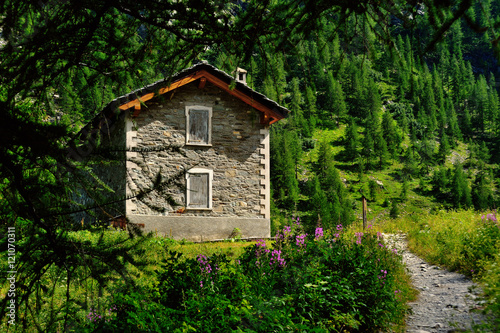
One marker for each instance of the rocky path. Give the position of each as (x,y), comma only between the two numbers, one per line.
(445,300)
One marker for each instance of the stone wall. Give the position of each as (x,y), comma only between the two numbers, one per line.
(237,154)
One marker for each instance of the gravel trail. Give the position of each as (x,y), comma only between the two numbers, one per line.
(446,298)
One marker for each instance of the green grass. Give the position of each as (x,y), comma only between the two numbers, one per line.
(231,249)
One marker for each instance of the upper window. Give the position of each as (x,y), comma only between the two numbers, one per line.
(198,125)
(199,188)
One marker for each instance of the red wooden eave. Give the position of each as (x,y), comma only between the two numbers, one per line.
(268,114)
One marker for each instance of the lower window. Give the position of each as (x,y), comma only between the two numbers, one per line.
(199,188)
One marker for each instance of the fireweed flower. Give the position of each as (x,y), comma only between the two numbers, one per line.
(261,243)
(297,220)
(276,259)
(339,227)
(359,235)
(287,231)
(205,267)
(318,233)
(300,240)
(260,247)
(379,235)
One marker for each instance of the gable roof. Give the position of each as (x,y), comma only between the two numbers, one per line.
(271,111)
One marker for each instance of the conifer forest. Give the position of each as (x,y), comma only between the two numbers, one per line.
(393,101)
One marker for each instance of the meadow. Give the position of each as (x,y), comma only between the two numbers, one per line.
(340,280)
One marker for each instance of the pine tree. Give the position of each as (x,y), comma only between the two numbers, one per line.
(310,103)
(390,134)
(352,143)
(482,195)
(444,147)
(321,208)
(404,189)
(453,128)
(466,124)
(335,106)
(394,212)
(426,152)
(439,181)
(428,107)
(493,114)
(460,189)
(480,104)
(335,191)
(284,156)
(298,121)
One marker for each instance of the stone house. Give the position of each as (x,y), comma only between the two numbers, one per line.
(196,148)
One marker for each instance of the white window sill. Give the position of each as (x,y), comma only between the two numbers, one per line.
(199,144)
(204,209)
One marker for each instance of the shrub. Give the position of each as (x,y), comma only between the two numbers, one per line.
(323,282)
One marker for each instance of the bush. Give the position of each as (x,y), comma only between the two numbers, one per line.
(318,283)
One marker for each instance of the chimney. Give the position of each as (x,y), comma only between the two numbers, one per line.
(241,75)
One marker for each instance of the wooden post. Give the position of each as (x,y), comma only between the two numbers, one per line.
(363,198)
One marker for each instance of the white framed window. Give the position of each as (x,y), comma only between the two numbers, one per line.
(198,125)
(199,188)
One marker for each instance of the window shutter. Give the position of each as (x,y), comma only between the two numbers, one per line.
(198,126)
(198,190)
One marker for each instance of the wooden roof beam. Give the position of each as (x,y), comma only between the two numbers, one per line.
(202,83)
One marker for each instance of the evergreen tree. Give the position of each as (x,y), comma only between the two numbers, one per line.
(335,106)
(298,121)
(466,124)
(321,208)
(404,189)
(426,152)
(453,128)
(480,104)
(428,106)
(493,114)
(440,182)
(285,148)
(394,212)
(368,150)
(390,134)
(352,143)
(310,103)
(460,190)
(482,195)
(336,193)
(444,147)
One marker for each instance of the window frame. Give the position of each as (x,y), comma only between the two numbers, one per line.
(209,125)
(199,171)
